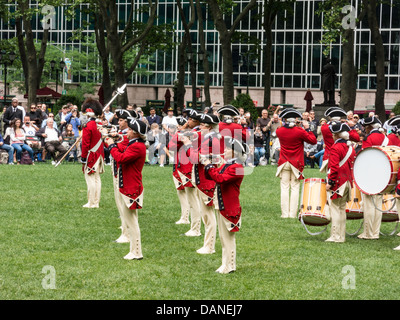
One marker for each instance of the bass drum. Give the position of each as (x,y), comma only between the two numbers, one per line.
(375,169)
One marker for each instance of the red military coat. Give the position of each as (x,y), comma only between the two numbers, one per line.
(327,136)
(393,140)
(292,145)
(131,162)
(92,145)
(233,130)
(228,179)
(375,138)
(208,144)
(121,147)
(174,145)
(339,175)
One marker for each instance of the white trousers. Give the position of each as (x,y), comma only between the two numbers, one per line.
(131,220)
(228,244)
(194,203)
(290,189)
(210,222)
(337,210)
(93,183)
(119,203)
(185,207)
(372,216)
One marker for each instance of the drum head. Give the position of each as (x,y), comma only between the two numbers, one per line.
(372,170)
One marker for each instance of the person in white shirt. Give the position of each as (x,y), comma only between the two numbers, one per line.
(169,119)
(52,140)
(30,131)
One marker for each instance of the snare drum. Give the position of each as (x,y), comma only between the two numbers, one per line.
(375,169)
(389,210)
(353,207)
(312,208)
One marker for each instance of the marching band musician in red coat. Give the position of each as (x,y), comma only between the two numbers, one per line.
(175,145)
(131,162)
(393,137)
(228,128)
(228,178)
(335,114)
(192,131)
(92,152)
(291,159)
(339,180)
(372,216)
(123,116)
(209,145)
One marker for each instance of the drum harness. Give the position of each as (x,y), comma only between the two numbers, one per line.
(341,163)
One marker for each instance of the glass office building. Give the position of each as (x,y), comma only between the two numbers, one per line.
(297,54)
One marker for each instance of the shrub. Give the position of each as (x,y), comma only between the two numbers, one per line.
(244,101)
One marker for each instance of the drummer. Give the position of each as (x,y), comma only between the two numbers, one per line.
(339,180)
(393,135)
(372,215)
(335,114)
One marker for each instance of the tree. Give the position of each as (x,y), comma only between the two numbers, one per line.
(220,10)
(271,9)
(370,7)
(340,21)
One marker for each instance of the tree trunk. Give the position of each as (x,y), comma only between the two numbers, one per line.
(348,85)
(179,96)
(206,66)
(227,65)
(380,59)
(267,64)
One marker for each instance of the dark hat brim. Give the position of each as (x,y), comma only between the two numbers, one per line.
(228,110)
(338,127)
(369,121)
(137,125)
(209,118)
(395,121)
(236,145)
(290,113)
(335,112)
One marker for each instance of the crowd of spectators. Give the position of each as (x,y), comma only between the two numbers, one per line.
(44,135)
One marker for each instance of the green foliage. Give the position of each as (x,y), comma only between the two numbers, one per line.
(396,108)
(74,98)
(244,101)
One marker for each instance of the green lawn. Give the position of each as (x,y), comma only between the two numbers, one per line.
(43,225)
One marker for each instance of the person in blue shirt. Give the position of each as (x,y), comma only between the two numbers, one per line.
(8,148)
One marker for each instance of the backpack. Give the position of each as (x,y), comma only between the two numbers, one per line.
(3,156)
(25,158)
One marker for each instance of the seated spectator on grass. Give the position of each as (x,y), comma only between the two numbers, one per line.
(7,148)
(52,139)
(153,137)
(17,140)
(309,151)
(259,145)
(44,122)
(69,139)
(30,131)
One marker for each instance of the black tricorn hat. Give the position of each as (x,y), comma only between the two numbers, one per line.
(209,118)
(236,145)
(228,110)
(290,113)
(337,127)
(193,114)
(395,121)
(370,120)
(137,125)
(335,112)
(181,120)
(125,114)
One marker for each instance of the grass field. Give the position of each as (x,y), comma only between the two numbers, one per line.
(44,227)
